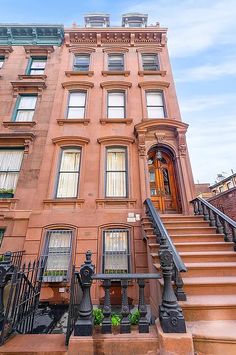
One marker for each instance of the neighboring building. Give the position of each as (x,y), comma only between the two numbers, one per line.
(203,190)
(90,127)
(224,195)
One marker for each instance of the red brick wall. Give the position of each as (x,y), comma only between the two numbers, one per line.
(226,202)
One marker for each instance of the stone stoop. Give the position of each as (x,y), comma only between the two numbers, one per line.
(210,282)
(35,344)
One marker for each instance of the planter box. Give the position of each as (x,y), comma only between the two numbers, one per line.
(54,278)
(6,195)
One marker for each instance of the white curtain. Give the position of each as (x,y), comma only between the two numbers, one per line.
(10,163)
(59,250)
(25,111)
(116,251)
(69,173)
(76,107)
(116,173)
(38,64)
(116,105)
(155,105)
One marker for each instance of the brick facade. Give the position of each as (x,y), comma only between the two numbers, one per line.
(226,202)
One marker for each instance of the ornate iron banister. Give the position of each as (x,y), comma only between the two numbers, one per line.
(216,218)
(160,231)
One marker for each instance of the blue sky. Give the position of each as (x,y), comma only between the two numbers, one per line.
(202,45)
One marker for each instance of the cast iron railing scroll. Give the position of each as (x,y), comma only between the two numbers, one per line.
(162,236)
(216,218)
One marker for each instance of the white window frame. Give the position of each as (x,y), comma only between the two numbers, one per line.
(157,106)
(122,107)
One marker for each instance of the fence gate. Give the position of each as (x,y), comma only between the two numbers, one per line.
(19,297)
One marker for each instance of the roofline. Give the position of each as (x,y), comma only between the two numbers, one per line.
(222,181)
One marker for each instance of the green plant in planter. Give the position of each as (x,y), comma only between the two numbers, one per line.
(115,319)
(98,316)
(134,317)
(6,191)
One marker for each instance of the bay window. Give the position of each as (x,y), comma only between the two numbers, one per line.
(10,164)
(116,172)
(116,104)
(116,255)
(155,104)
(57,254)
(76,105)
(68,177)
(25,107)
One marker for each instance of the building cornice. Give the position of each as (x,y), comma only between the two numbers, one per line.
(32,34)
(165,123)
(116,35)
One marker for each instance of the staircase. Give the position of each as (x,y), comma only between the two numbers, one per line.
(209,283)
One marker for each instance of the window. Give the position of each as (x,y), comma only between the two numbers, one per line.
(81,62)
(229,185)
(58,254)
(155,104)
(37,65)
(1,61)
(76,106)
(10,164)
(69,173)
(116,104)
(1,236)
(150,62)
(25,107)
(221,188)
(135,24)
(116,172)
(116,62)
(116,256)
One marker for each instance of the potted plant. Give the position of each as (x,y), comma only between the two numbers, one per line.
(6,193)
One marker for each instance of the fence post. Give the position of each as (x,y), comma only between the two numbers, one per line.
(84,323)
(6,267)
(170,314)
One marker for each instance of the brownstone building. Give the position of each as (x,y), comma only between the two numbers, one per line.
(90,129)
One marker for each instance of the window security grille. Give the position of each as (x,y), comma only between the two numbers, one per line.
(116,255)
(58,250)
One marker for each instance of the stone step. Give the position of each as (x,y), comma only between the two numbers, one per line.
(172,218)
(206,269)
(177,224)
(191,230)
(204,246)
(213,337)
(225,285)
(189,238)
(212,307)
(208,256)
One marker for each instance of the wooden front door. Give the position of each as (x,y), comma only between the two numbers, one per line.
(162,182)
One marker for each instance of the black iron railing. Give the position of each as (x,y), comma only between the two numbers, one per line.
(216,218)
(170,314)
(22,297)
(75,299)
(15,257)
(162,236)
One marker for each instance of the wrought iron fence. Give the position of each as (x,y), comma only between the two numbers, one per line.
(21,289)
(16,257)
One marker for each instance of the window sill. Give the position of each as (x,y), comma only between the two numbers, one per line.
(79,73)
(116,120)
(115,203)
(28,76)
(116,72)
(8,204)
(62,121)
(19,124)
(70,203)
(152,72)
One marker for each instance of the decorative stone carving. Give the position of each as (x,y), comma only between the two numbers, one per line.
(160,137)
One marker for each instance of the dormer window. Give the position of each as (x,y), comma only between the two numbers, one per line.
(134,20)
(97,20)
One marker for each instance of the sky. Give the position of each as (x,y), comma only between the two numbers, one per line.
(202,46)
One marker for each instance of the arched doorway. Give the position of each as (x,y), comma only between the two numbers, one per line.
(162,180)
